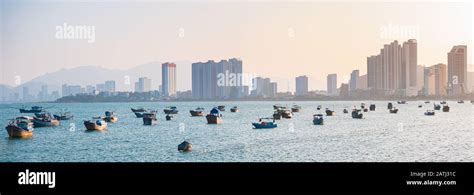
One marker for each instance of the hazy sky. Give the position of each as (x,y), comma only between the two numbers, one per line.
(280,40)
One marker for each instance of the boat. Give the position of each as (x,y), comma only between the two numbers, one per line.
(442,102)
(345,111)
(401,102)
(446,108)
(461,102)
(221,108)
(20,127)
(420,106)
(472,101)
(430,113)
(34,109)
(149,118)
(197,112)
(62,116)
(427,102)
(389,105)
(276,106)
(234,109)
(372,107)
(357,114)
(110,117)
(318,119)
(286,113)
(362,105)
(98,125)
(436,106)
(45,121)
(138,110)
(168,117)
(393,110)
(214,117)
(185,146)
(319,107)
(295,108)
(329,112)
(265,123)
(276,115)
(366,110)
(171,110)
(41,114)
(139,114)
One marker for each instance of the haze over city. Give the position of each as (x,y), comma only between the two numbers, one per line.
(280,40)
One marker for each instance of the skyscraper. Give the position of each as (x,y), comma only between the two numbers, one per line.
(457,69)
(168,79)
(332,84)
(143,85)
(211,80)
(435,80)
(301,85)
(110,86)
(354,80)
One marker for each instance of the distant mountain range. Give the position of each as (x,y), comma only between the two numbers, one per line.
(92,75)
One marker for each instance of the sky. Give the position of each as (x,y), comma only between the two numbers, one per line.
(280,40)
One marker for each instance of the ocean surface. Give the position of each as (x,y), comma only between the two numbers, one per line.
(380,137)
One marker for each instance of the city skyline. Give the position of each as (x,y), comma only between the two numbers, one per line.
(269,49)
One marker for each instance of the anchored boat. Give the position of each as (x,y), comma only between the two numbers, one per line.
(62,116)
(20,127)
(45,120)
(330,112)
(171,110)
(185,146)
(34,109)
(197,112)
(357,114)
(389,105)
(214,117)
(110,117)
(234,109)
(265,123)
(436,106)
(394,110)
(221,108)
(318,119)
(295,108)
(149,118)
(98,125)
(446,108)
(430,113)
(372,107)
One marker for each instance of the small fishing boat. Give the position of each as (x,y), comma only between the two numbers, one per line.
(168,117)
(420,106)
(362,105)
(265,123)
(401,102)
(98,125)
(286,113)
(372,107)
(171,110)
(319,107)
(442,102)
(330,112)
(234,109)
(345,111)
(318,119)
(461,102)
(185,146)
(138,110)
(139,114)
(62,116)
(276,106)
(430,113)
(394,110)
(389,105)
(214,117)
(276,115)
(20,127)
(221,108)
(436,106)
(110,117)
(445,108)
(45,121)
(197,112)
(295,108)
(365,110)
(34,109)
(149,118)
(427,102)
(357,114)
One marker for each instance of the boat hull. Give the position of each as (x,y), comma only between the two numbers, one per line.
(40,123)
(295,109)
(445,109)
(318,121)
(196,113)
(91,126)
(234,110)
(110,119)
(17,132)
(170,111)
(149,121)
(264,126)
(212,119)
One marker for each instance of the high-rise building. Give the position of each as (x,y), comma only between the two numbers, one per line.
(110,86)
(222,80)
(143,85)
(43,94)
(344,90)
(301,87)
(457,69)
(332,84)
(435,80)
(273,89)
(168,79)
(354,80)
(362,82)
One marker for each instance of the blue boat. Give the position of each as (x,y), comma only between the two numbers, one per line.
(318,119)
(265,123)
